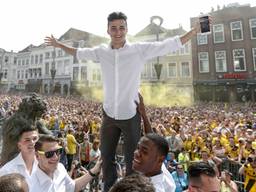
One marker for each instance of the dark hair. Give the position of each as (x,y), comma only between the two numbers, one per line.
(132,183)
(195,170)
(45,138)
(116,15)
(13,182)
(160,142)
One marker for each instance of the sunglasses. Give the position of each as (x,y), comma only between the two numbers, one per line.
(50,154)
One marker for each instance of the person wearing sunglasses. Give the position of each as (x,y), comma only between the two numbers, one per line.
(25,162)
(50,174)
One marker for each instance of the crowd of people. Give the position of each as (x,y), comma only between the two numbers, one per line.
(83,137)
(218,133)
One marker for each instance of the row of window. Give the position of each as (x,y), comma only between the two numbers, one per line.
(236,29)
(38,59)
(30,73)
(239,61)
(172,70)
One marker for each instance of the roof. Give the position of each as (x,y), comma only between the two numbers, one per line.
(79,35)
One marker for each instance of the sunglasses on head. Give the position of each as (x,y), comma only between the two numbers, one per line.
(50,154)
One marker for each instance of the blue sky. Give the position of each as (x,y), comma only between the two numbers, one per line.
(25,22)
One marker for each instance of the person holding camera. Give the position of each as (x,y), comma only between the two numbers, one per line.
(249,171)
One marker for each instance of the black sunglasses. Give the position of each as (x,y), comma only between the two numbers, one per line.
(50,154)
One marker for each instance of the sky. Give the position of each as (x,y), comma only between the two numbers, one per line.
(25,22)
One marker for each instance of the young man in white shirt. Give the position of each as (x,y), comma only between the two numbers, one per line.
(51,175)
(122,64)
(148,159)
(25,162)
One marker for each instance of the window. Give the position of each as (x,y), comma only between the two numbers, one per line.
(185,49)
(60,68)
(83,73)
(172,69)
(5,73)
(39,70)
(203,62)
(254,57)
(185,71)
(66,67)
(41,59)
(30,73)
(253,28)
(32,59)
(47,67)
(18,74)
(239,60)
(146,71)
(60,53)
(96,75)
(23,62)
(201,39)
(15,61)
(153,71)
(75,73)
(220,61)
(236,31)
(218,33)
(47,55)
(22,74)
(36,59)
(27,61)
(26,74)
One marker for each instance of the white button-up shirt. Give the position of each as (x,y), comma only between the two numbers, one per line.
(61,181)
(17,165)
(164,181)
(121,69)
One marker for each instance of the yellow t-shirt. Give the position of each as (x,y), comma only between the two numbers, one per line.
(250,174)
(71,144)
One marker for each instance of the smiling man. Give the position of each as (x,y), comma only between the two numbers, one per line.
(25,162)
(121,63)
(51,175)
(148,160)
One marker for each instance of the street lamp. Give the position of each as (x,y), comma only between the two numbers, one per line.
(53,70)
(157,21)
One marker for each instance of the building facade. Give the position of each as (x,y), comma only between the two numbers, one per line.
(224,61)
(175,80)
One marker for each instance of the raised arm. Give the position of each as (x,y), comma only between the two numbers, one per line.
(142,111)
(196,29)
(52,41)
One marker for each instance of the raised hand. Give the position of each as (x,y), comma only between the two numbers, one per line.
(51,41)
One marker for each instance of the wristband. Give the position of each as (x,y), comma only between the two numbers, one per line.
(92,174)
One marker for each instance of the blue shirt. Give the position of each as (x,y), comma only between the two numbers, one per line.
(180,181)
